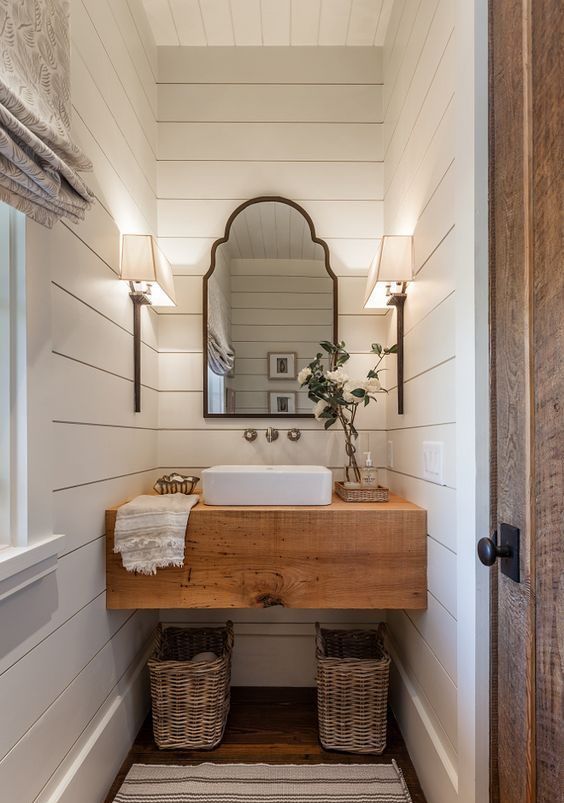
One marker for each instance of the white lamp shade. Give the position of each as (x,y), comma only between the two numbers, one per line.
(392,264)
(143,261)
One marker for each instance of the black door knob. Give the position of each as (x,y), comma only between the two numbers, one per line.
(489,551)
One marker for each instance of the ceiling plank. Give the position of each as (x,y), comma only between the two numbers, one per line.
(275,22)
(334,22)
(305,22)
(161,21)
(217,22)
(246,22)
(365,15)
(188,21)
(383,22)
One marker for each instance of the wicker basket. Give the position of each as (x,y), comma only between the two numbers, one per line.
(190,700)
(378,494)
(353,672)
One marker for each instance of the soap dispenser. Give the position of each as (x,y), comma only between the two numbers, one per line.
(368,474)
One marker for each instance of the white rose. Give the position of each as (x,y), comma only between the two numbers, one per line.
(353,384)
(320,408)
(339,377)
(373,386)
(304,375)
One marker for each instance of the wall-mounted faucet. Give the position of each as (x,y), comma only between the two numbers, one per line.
(250,435)
(294,434)
(271,434)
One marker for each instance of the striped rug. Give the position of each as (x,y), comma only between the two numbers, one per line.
(264,783)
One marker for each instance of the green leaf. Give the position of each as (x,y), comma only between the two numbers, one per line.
(359,393)
(327,346)
(377,348)
(393,349)
(366,400)
(330,423)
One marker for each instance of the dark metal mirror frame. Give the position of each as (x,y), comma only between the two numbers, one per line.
(215,246)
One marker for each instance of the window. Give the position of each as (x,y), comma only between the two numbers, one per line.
(22,561)
(216,392)
(13,401)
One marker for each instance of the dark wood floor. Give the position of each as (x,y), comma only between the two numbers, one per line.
(273,726)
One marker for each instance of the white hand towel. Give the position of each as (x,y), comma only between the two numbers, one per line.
(150,531)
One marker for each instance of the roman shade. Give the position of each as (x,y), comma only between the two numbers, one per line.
(39,163)
(221,355)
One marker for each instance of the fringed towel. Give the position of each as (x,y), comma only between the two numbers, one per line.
(150,531)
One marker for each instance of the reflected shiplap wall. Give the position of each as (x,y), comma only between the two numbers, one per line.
(419,148)
(235,123)
(279,306)
(72,693)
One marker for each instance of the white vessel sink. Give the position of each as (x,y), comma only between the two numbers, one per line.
(267,485)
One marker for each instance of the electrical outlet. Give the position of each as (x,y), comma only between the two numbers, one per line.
(433,461)
(390,454)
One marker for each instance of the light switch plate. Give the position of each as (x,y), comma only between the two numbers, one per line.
(390,454)
(433,461)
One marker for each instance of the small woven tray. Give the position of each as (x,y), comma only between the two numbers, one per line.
(379,494)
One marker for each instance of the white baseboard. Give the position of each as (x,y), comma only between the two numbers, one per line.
(433,760)
(89,769)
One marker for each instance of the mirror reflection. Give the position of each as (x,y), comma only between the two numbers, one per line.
(269,299)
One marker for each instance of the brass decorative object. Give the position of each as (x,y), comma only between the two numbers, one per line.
(175,484)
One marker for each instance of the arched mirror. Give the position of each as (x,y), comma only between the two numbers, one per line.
(270,297)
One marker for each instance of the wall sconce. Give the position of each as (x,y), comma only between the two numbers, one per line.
(150,279)
(389,273)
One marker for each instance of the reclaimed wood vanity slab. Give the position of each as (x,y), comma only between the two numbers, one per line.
(344,555)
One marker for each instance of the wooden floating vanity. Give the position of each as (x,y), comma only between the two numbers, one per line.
(345,555)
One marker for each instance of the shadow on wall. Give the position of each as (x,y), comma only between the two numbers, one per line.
(19,621)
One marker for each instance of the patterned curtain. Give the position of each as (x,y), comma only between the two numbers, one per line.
(38,160)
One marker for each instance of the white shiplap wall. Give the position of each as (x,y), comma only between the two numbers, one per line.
(215,152)
(235,123)
(420,198)
(71,691)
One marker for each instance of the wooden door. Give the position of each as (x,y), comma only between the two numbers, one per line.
(527,340)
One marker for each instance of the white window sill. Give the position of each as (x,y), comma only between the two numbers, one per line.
(22,566)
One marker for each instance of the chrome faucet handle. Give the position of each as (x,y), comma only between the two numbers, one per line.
(271,434)
(250,435)
(294,434)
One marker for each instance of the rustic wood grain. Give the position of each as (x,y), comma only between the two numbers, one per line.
(276,726)
(510,150)
(548,348)
(345,555)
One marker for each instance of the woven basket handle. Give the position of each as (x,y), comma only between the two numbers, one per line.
(381,630)
(319,646)
(230,635)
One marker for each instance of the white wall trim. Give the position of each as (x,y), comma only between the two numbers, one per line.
(472,397)
(21,566)
(435,768)
(105,742)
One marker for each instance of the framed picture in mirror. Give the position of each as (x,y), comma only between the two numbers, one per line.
(283,402)
(282,365)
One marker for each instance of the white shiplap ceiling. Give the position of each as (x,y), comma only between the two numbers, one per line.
(272,230)
(197,23)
